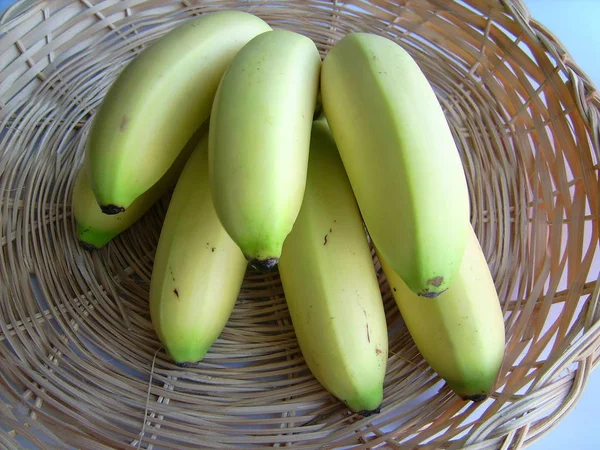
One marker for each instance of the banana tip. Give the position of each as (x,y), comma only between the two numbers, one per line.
(186,365)
(475,397)
(88,247)
(367,413)
(264,265)
(111,209)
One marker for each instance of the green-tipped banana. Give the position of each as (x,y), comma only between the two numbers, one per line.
(400,157)
(198,270)
(331,287)
(96,229)
(259,141)
(460,333)
(157,103)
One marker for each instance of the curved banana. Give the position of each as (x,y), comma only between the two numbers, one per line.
(460,333)
(96,229)
(198,270)
(259,141)
(331,287)
(400,157)
(157,103)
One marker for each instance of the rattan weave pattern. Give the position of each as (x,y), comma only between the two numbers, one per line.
(76,344)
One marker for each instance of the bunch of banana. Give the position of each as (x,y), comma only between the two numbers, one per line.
(331,287)
(267,186)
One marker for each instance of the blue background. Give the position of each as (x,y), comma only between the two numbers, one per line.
(576,24)
(5,4)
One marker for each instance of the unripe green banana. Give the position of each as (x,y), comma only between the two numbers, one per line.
(331,287)
(460,333)
(96,229)
(259,141)
(400,157)
(157,103)
(198,270)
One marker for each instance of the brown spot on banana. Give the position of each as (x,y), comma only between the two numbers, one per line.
(435,281)
(124,122)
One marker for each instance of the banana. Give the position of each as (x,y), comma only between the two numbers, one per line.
(259,140)
(331,286)
(198,270)
(460,333)
(158,101)
(400,157)
(96,229)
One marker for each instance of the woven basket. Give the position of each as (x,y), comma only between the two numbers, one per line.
(80,366)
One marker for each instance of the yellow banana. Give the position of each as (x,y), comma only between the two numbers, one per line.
(157,103)
(331,287)
(460,333)
(259,141)
(198,270)
(400,157)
